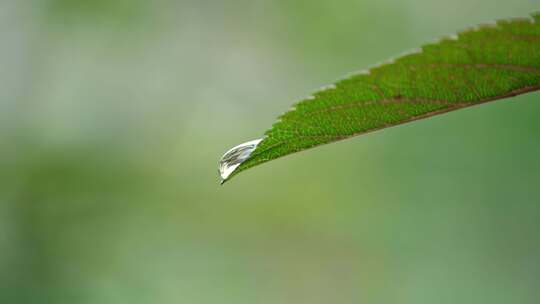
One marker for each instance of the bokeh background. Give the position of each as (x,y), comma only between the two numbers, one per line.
(114,113)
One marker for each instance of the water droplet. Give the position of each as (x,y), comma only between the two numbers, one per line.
(235,157)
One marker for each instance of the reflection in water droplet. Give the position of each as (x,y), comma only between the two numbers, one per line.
(234,157)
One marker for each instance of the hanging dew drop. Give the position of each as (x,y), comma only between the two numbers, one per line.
(235,157)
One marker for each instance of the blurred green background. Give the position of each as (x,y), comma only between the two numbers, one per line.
(114,113)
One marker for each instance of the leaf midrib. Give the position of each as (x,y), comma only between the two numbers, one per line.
(453,106)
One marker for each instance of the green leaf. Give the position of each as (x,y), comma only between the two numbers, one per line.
(478,65)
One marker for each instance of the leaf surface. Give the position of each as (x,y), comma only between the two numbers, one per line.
(478,65)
